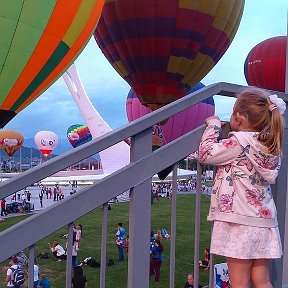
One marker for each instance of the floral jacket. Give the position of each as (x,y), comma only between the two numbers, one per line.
(241,191)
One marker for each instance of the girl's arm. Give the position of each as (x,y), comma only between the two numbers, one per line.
(214,153)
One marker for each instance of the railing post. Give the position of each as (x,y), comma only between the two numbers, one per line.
(197,224)
(69,254)
(31,266)
(173,226)
(103,245)
(279,275)
(139,217)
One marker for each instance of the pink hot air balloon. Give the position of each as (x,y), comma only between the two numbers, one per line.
(180,123)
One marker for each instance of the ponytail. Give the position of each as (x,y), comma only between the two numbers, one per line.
(264,117)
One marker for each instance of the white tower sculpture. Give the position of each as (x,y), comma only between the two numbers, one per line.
(112,158)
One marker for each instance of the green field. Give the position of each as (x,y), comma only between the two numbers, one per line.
(117,275)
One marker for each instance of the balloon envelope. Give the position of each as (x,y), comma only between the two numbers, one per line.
(11,141)
(265,64)
(39,41)
(179,124)
(78,134)
(163,48)
(46,141)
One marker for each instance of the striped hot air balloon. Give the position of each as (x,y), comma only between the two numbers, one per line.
(39,41)
(78,134)
(162,48)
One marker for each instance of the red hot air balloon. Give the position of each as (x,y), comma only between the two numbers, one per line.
(179,124)
(163,48)
(265,64)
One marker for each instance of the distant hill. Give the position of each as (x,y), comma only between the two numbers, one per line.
(63,145)
(30,153)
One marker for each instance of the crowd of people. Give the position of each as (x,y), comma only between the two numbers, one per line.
(164,189)
(24,202)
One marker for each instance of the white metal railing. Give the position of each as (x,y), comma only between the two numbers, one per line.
(137,177)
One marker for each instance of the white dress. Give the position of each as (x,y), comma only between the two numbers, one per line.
(245,242)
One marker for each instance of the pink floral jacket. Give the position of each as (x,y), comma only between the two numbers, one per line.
(241,192)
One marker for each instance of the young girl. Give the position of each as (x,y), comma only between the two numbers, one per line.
(242,207)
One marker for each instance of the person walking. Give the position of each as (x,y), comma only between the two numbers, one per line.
(3,207)
(41,199)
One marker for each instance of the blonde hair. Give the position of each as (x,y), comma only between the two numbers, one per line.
(254,106)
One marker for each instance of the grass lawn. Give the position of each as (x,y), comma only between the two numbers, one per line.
(90,244)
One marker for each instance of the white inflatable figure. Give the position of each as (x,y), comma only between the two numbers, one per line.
(112,158)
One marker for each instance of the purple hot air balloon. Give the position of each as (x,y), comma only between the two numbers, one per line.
(180,123)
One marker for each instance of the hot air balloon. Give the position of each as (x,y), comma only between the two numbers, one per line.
(11,141)
(265,64)
(78,134)
(163,48)
(179,124)
(42,38)
(46,141)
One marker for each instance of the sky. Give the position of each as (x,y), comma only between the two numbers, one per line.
(55,110)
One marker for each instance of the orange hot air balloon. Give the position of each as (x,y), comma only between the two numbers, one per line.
(11,141)
(39,41)
(46,141)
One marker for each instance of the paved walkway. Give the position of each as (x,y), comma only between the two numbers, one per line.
(35,199)
(34,190)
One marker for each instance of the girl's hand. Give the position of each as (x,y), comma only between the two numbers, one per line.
(226,129)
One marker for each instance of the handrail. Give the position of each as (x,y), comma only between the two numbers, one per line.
(67,159)
(132,175)
(104,189)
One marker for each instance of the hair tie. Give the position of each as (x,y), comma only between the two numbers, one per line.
(277,103)
(272,107)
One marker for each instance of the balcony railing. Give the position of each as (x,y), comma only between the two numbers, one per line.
(135,177)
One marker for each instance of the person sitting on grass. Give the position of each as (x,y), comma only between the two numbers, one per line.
(206,262)
(44,282)
(190,281)
(57,250)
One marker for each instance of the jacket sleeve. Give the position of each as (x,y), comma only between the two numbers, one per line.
(217,153)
